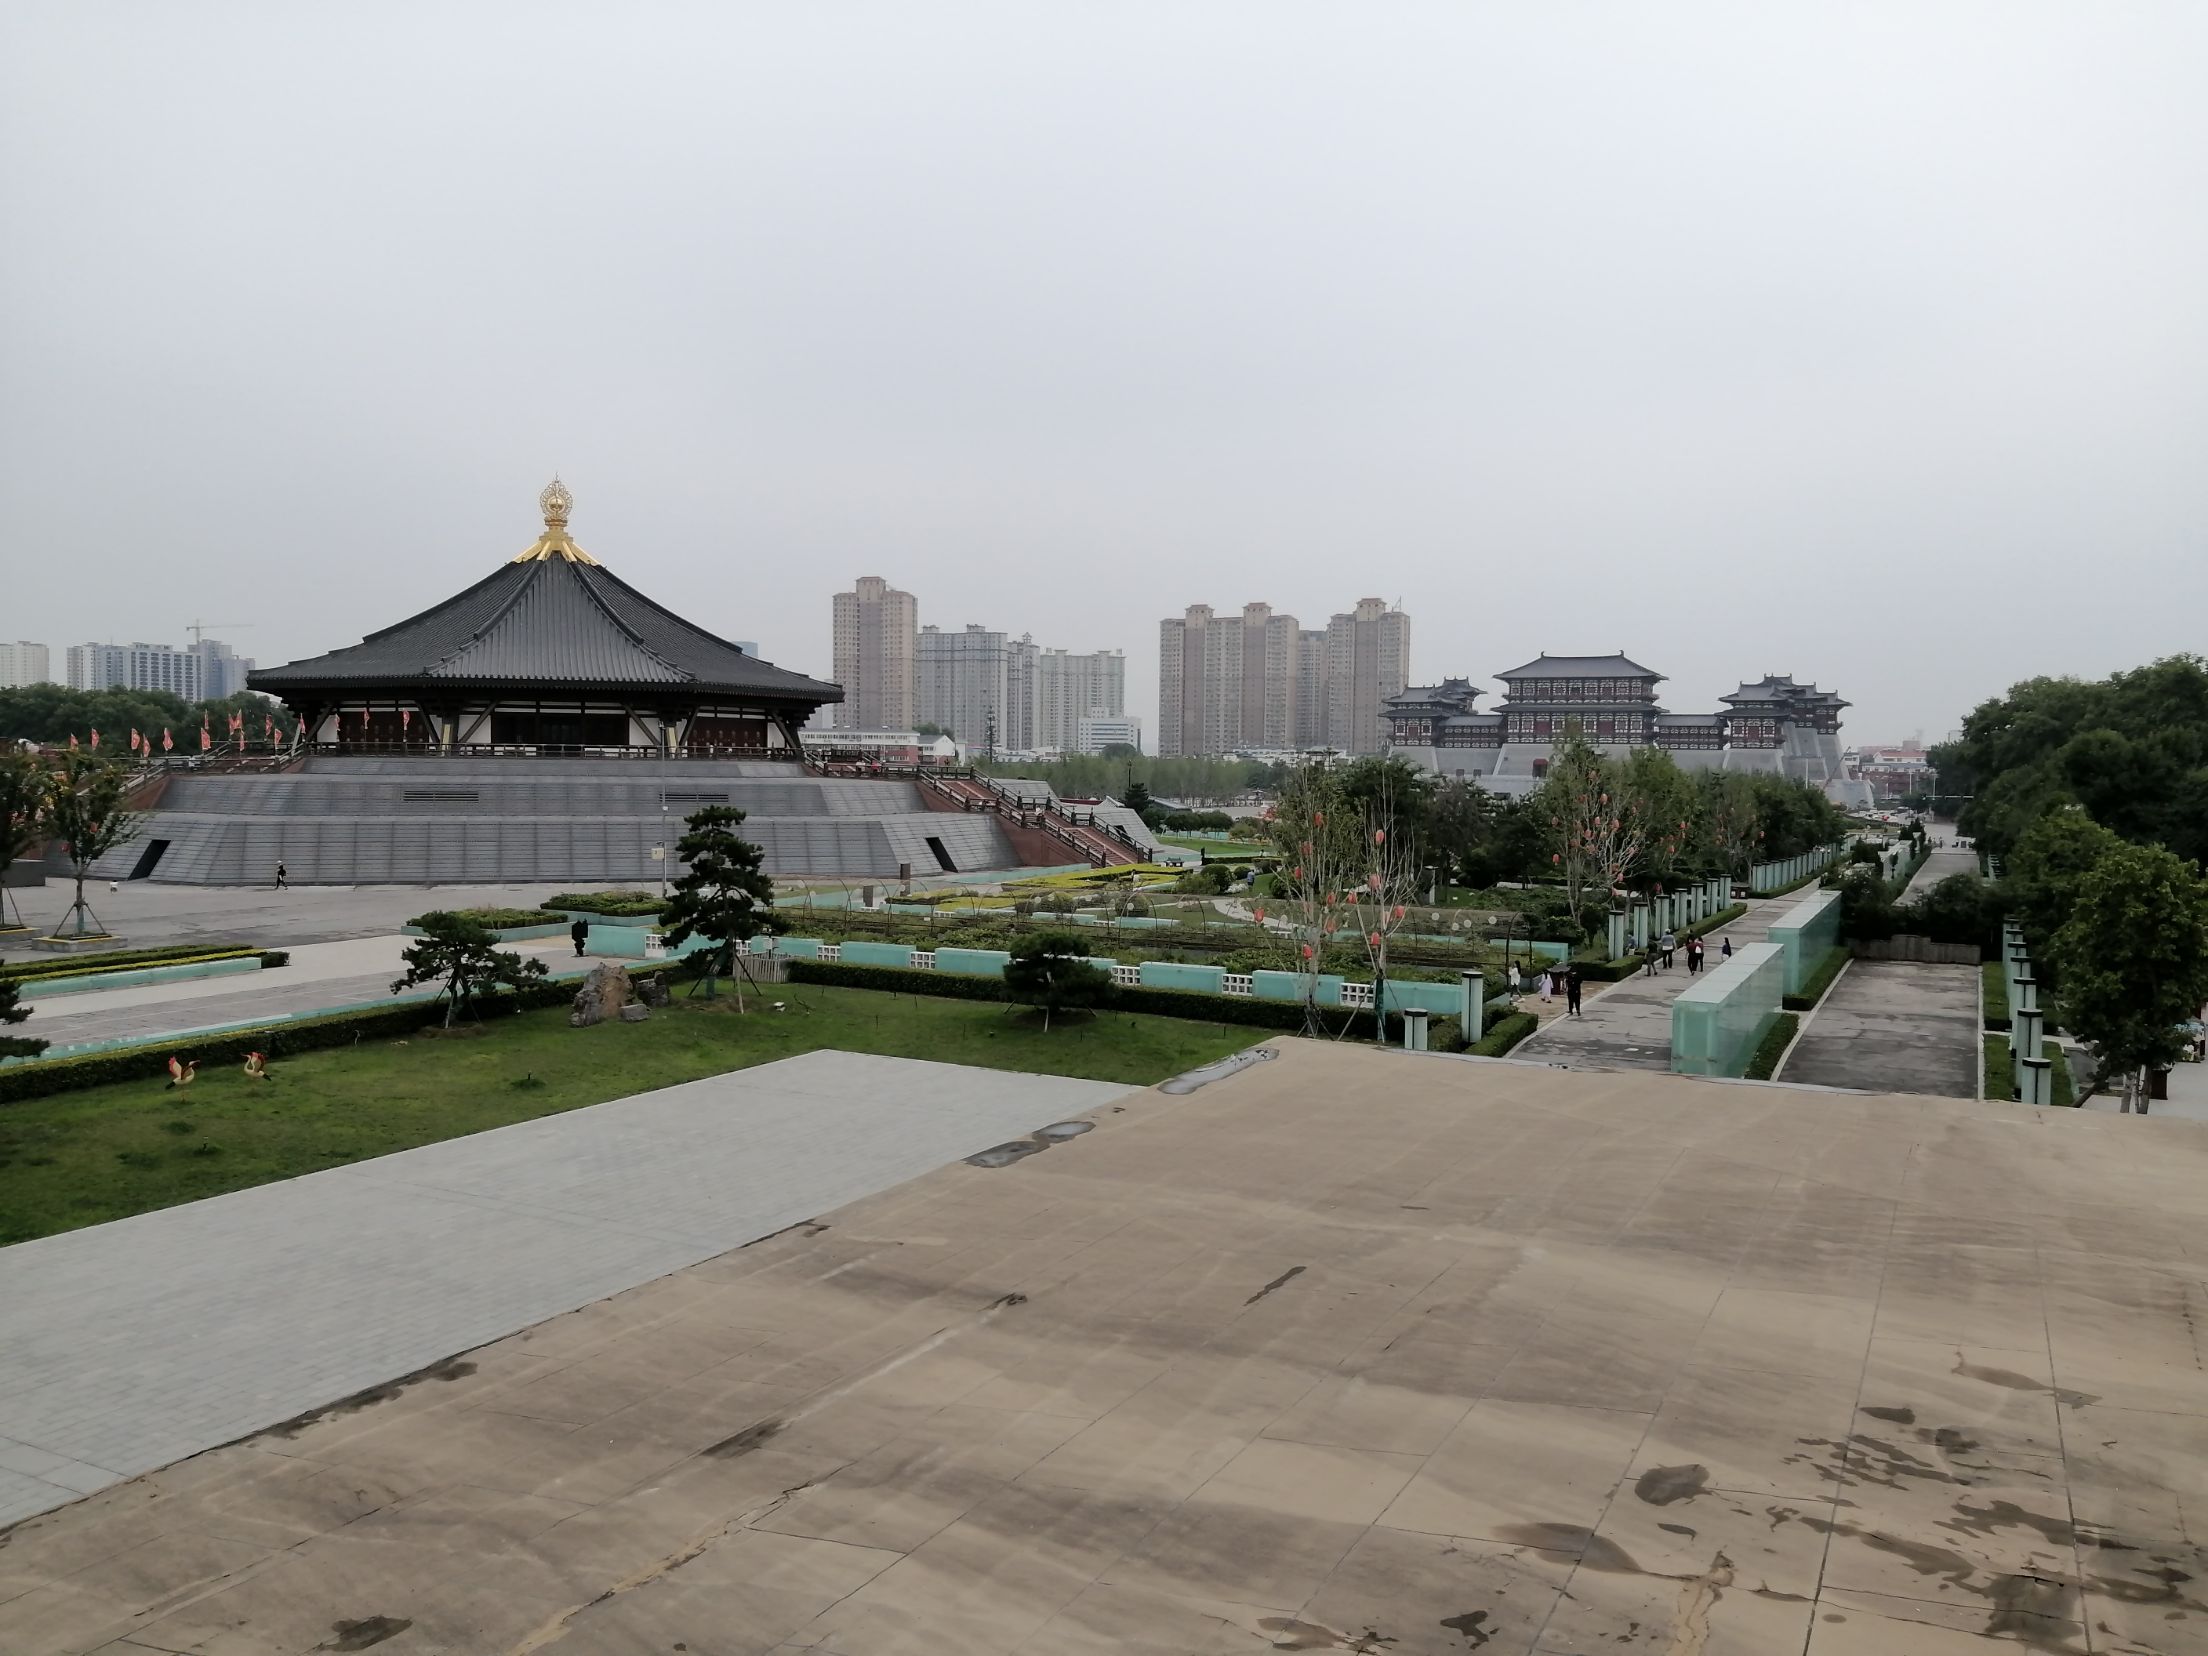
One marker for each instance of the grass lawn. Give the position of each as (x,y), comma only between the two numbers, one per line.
(82,1158)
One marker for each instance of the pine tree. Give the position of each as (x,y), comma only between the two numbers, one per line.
(15,1046)
(463,955)
(723,896)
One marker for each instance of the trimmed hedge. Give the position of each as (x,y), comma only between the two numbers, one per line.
(1442,1033)
(1996,983)
(612,904)
(2000,1068)
(1504,1033)
(273,958)
(143,1063)
(1813,991)
(1618,970)
(77,968)
(1772,1048)
(117,960)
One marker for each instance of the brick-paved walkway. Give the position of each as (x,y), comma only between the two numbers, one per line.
(130,1345)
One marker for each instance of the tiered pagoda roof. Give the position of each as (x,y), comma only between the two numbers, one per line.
(552,620)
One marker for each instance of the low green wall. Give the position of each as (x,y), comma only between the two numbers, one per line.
(1805,934)
(1717,1024)
(45,988)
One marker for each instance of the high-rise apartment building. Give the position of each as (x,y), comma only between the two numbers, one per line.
(1228,683)
(1258,682)
(1368,659)
(965,686)
(97,666)
(221,669)
(1311,688)
(24,663)
(1071,687)
(876,627)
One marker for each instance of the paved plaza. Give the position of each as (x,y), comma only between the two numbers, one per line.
(1627,1025)
(126,1346)
(1350,1351)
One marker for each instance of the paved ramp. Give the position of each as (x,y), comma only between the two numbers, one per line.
(1892,1026)
(130,1345)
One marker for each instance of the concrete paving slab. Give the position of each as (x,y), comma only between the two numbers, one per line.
(1139,1393)
(129,1345)
(1893,1026)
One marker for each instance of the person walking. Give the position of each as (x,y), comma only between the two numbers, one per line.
(580,932)
(283,877)
(1516,983)
(1669,943)
(1725,949)
(1571,991)
(1548,983)
(1694,956)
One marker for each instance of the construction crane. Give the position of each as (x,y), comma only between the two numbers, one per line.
(198,629)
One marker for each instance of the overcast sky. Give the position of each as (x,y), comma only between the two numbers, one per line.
(1864,342)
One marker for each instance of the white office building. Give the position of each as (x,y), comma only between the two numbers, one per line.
(24,663)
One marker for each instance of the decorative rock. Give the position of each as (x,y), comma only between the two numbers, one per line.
(652,989)
(635,1013)
(603,994)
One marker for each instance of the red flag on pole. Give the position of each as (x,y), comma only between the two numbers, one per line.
(167,741)
(95,740)
(72,742)
(134,739)
(206,738)
(406,718)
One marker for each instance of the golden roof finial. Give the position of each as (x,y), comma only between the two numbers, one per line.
(553,543)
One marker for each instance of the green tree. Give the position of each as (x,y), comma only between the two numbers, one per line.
(1586,836)
(2040,879)
(2133,962)
(22,804)
(723,896)
(15,1046)
(1137,799)
(1052,971)
(1662,797)
(462,956)
(84,813)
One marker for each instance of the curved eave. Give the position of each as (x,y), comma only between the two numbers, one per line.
(445,689)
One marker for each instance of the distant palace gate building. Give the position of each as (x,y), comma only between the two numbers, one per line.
(1773,726)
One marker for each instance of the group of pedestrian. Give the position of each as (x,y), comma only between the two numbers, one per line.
(1552,981)
(1666,950)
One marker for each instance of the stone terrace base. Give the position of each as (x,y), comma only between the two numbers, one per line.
(1350,1350)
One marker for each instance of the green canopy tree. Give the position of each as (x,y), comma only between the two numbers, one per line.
(723,896)
(84,814)
(1051,971)
(2041,877)
(462,956)
(22,805)
(2133,962)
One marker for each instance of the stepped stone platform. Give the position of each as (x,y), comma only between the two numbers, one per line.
(367,821)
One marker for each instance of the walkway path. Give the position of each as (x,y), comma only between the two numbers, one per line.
(319,975)
(1628,1025)
(1937,867)
(130,1345)
(1893,1026)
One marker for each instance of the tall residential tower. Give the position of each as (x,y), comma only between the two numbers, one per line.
(875,629)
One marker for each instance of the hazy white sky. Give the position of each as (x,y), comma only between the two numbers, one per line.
(1862,342)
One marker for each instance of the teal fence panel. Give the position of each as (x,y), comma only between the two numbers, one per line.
(1805,934)
(1446,999)
(1276,986)
(1168,974)
(972,962)
(798,948)
(1716,1024)
(874,954)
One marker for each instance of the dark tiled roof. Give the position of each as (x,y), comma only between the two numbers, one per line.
(541,623)
(1663,719)
(1609,666)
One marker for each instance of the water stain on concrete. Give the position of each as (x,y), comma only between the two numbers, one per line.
(1893,1417)
(1181,1085)
(1680,1529)
(446,1369)
(1662,1485)
(1595,1552)
(360,1635)
(2013,1381)
(1469,1627)
(1285,1277)
(745,1441)
(2031,1608)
